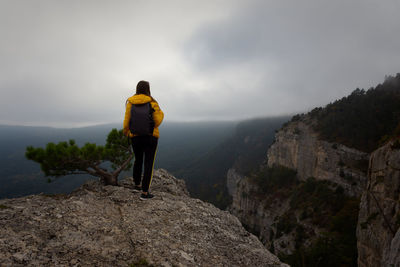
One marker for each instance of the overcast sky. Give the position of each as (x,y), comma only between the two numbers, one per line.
(74,63)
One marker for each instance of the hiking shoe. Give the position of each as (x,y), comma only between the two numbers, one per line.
(146,197)
(137,188)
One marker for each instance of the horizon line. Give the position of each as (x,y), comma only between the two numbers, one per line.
(89,125)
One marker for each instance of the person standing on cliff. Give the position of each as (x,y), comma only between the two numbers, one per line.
(144,133)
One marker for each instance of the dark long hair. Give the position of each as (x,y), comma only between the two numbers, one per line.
(143,87)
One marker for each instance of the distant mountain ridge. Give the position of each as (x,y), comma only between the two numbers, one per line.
(200,152)
(20,176)
(179,144)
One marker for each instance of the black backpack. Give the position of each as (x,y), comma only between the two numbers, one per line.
(142,122)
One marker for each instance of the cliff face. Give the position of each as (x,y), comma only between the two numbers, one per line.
(110,226)
(232,180)
(273,217)
(378,232)
(260,215)
(297,147)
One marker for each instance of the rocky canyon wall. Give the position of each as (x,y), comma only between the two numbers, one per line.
(378,233)
(297,147)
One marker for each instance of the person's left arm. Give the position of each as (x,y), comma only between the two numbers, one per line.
(127,118)
(158,115)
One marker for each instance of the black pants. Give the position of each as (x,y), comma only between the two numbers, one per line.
(144,147)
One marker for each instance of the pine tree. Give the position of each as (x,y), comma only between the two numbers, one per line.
(67,158)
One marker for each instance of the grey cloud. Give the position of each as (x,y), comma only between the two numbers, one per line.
(321,50)
(77,61)
(292,30)
(57,61)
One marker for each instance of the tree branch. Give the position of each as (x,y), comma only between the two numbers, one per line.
(100,171)
(91,172)
(123,166)
(125,148)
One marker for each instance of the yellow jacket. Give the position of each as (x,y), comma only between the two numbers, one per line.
(158,115)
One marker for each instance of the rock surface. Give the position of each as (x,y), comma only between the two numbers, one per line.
(378,232)
(297,147)
(378,184)
(110,226)
(260,214)
(232,180)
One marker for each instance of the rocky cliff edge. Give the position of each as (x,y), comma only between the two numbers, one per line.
(378,230)
(297,146)
(109,226)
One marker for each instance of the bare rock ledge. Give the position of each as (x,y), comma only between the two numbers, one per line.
(110,226)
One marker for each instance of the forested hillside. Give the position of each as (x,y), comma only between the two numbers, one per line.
(363,120)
